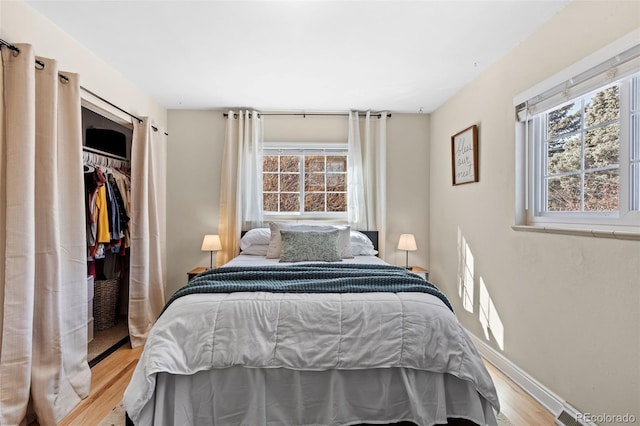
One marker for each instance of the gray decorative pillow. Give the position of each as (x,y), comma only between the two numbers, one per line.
(301,246)
(275,242)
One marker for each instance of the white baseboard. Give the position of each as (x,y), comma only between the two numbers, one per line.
(539,392)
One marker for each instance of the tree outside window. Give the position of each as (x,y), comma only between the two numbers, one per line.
(583,154)
(304,184)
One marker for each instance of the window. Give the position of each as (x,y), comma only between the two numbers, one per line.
(582,151)
(307,182)
(579,154)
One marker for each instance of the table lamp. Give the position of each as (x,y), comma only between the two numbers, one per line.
(211,243)
(408,243)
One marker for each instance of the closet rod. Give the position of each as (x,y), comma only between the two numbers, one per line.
(113,105)
(105,154)
(304,114)
(41,65)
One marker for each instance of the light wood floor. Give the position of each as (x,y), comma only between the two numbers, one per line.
(516,404)
(111,376)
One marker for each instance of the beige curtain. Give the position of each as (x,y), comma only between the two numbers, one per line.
(367,173)
(43,279)
(147,273)
(241,181)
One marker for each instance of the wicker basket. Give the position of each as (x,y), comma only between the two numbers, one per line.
(105,304)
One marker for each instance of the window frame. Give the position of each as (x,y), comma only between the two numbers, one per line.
(303,149)
(531,214)
(538,153)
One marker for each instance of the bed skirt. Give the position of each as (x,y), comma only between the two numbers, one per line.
(284,397)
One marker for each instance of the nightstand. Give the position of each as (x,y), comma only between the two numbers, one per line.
(420,271)
(195,271)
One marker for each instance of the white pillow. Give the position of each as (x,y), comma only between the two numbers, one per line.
(255,236)
(275,243)
(257,250)
(358,237)
(360,250)
(361,245)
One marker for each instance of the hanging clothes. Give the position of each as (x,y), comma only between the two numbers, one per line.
(102,213)
(122,221)
(107,219)
(123,183)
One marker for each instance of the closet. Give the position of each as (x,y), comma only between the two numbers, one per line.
(107,184)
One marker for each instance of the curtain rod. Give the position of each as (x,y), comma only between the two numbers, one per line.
(304,114)
(155,129)
(41,65)
(9,45)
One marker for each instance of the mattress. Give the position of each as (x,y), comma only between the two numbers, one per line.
(254,358)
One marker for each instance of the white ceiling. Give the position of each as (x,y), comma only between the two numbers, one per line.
(402,56)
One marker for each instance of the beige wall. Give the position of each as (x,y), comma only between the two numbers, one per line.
(20,23)
(568,305)
(194,159)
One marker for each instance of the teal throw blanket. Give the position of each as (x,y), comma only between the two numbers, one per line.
(309,278)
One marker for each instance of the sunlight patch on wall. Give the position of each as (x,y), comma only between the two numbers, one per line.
(465,273)
(489,318)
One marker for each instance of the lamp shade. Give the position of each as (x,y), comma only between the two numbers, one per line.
(407,242)
(211,242)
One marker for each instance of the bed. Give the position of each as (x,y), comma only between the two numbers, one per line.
(342,342)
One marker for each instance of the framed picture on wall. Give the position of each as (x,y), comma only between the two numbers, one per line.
(464,156)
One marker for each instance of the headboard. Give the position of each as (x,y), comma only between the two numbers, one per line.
(372,235)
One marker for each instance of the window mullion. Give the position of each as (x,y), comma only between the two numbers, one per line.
(582,154)
(326,190)
(302,184)
(279,187)
(626,198)
(540,175)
